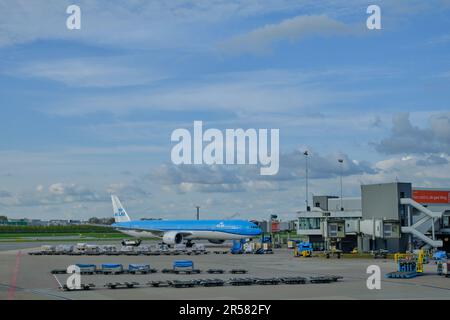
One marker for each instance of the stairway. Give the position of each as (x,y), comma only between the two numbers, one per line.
(423,225)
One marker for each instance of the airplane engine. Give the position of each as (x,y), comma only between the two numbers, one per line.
(172,237)
(216,241)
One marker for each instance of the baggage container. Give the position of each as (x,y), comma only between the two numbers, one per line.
(112,268)
(87,268)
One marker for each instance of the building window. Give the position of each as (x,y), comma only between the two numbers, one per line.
(333,230)
(446,222)
(387,230)
(309,223)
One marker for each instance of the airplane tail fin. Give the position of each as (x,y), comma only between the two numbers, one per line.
(120,215)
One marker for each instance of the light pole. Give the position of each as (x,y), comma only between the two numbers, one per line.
(306,180)
(341,161)
(198,212)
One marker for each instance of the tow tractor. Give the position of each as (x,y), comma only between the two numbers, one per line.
(303,249)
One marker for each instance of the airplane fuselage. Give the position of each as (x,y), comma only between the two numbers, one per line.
(191,229)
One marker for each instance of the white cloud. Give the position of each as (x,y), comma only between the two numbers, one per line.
(407,138)
(409,169)
(89,72)
(159,23)
(150,24)
(245,178)
(261,39)
(253,92)
(56,194)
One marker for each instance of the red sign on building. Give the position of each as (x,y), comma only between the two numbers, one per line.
(275,227)
(431,196)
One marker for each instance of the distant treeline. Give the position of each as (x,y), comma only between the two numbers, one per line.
(57,229)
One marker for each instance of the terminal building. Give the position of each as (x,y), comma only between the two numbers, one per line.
(392,216)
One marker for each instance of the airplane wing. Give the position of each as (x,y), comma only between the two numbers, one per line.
(156,232)
(98,225)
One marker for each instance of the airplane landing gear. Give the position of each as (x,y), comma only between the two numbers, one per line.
(189,244)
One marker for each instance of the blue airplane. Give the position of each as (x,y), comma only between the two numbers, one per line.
(175,231)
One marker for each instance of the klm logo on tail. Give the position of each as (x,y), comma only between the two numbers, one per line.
(120,213)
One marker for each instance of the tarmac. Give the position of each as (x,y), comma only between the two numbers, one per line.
(24,276)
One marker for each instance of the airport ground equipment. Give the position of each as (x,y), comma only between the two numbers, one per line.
(241,281)
(116,285)
(322,279)
(303,249)
(63,249)
(238,246)
(440,256)
(35,253)
(108,249)
(84,287)
(163,247)
(263,251)
(179,247)
(267,281)
(292,243)
(211,282)
(140,268)
(198,247)
(158,284)
(185,266)
(216,282)
(75,253)
(238,271)
(446,269)
(87,268)
(333,253)
(215,271)
(59,271)
(293,280)
(247,247)
(131,242)
(143,250)
(182,283)
(380,254)
(419,258)
(48,249)
(409,265)
(220,252)
(111,268)
(81,246)
(402,275)
(131,252)
(92,250)
(439,267)
(335,278)
(266,242)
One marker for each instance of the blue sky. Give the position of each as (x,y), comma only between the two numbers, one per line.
(89,112)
